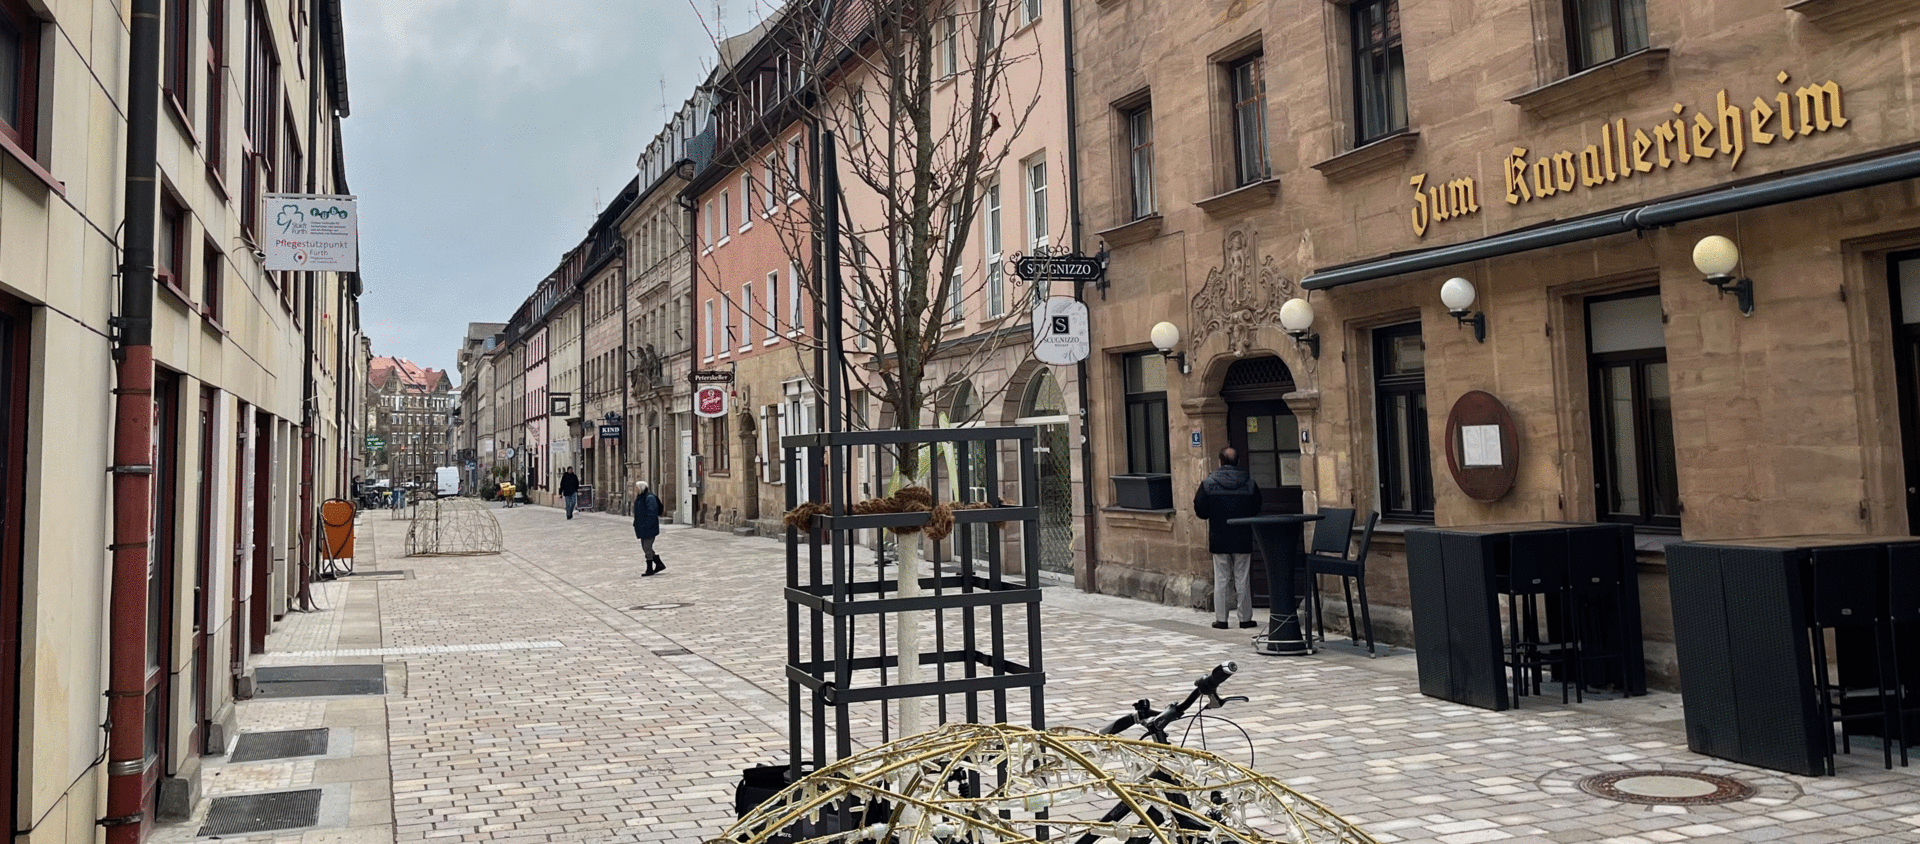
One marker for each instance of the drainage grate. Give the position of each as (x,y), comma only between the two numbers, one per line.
(246,813)
(659,606)
(320,680)
(1666,788)
(396,573)
(282,744)
(673,652)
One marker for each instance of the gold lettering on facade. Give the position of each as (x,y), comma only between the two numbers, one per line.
(1456,198)
(1733,132)
(1516,169)
(1757,121)
(1422,215)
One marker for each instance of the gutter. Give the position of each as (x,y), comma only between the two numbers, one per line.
(132,469)
(1772,190)
(1086,578)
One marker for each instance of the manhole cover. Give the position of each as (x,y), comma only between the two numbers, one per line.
(1666,788)
(659,606)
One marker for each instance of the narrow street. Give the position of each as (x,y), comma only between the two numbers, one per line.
(551,694)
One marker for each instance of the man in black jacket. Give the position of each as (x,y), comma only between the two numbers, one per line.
(1229,493)
(570,489)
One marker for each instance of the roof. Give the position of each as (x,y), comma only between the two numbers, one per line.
(405,376)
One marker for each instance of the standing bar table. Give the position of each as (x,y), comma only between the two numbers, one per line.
(1280,544)
(1453,576)
(1745,640)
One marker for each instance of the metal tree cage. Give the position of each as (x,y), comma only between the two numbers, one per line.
(983,589)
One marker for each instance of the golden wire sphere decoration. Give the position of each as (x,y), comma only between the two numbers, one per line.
(1005,784)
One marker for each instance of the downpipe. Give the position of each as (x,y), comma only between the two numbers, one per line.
(133,444)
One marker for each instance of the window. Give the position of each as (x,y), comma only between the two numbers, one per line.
(793,167)
(796,320)
(726,328)
(717,451)
(176,30)
(956,301)
(726,215)
(1635,474)
(1140,158)
(19,74)
(1379,70)
(709,221)
(773,306)
(746,199)
(770,191)
(1029,11)
(263,97)
(213,274)
(1599,31)
(1037,204)
(949,45)
(771,469)
(1400,411)
(996,281)
(708,332)
(170,246)
(1247,82)
(215,87)
(746,316)
(1145,377)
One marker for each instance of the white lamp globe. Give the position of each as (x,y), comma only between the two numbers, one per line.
(1715,255)
(1457,294)
(1296,315)
(1165,336)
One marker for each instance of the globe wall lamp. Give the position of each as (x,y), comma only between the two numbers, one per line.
(1165,336)
(1457,295)
(1715,257)
(1296,316)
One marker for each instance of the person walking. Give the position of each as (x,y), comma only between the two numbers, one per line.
(1229,493)
(646,525)
(570,489)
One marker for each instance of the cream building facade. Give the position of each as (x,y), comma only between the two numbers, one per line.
(254,384)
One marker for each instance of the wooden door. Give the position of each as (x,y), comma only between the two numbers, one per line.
(162,575)
(203,569)
(15,319)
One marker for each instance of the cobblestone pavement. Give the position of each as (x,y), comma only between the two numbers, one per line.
(551,694)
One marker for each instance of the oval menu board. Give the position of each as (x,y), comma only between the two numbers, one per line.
(1483,450)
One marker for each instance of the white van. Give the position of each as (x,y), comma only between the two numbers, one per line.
(446,481)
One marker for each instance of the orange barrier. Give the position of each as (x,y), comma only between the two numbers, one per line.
(336,524)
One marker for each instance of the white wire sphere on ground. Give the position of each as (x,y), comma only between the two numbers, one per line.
(1002,784)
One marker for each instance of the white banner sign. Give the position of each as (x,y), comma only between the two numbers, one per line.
(310,232)
(1060,331)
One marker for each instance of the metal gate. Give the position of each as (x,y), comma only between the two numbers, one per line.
(1055,456)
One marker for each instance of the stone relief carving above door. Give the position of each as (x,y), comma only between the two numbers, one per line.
(1237,298)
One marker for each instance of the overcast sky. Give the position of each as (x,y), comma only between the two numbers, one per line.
(485,135)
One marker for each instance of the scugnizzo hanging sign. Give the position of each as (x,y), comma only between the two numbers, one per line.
(1722,130)
(304,231)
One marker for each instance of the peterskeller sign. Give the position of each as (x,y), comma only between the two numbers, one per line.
(1723,129)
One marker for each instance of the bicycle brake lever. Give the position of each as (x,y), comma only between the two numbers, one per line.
(1235,699)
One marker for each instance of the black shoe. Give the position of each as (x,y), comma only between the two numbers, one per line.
(1219,625)
(1249,624)
(650,570)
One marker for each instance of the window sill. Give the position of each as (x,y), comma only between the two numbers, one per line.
(1139,231)
(1373,156)
(20,155)
(212,324)
(770,340)
(723,241)
(1122,517)
(744,228)
(1257,195)
(179,112)
(1847,14)
(166,282)
(1595,86)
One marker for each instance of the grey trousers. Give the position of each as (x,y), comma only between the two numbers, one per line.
(1238,568)
(646,546)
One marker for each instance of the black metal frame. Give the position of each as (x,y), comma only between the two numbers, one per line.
(1419,468)
(828,592)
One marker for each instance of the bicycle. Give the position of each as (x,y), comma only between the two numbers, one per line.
(1155,723)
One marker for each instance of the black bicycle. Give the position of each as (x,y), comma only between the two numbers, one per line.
(1156,723)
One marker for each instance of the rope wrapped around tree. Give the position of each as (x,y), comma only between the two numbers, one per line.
(907,499)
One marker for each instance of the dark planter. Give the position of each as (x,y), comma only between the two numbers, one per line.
(1143,491)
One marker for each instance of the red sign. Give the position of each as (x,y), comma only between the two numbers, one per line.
(710,400)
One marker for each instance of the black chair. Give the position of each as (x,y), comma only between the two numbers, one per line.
(1332,537)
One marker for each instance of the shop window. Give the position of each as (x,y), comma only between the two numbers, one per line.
(19,74)
(1599,31)
(1400,409)
(1140,158)
(1379,70)
(1635,472)
(1247,88)
(1145,377)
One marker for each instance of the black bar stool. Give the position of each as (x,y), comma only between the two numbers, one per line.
(1536,570)
(1841,586)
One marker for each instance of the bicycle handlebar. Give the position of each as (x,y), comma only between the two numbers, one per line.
(1156,723)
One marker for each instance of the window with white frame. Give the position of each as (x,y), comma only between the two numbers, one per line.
(770,192)
(1247,83)
(795,319)
(1140,158)
(746,316)
(996,280)
(726,215)
(709,223)
(949,45)
(1037,203)
(726,328)
(746,199)
(772,470)
(956,302)
(1029,11)
(708,330)
(773,306)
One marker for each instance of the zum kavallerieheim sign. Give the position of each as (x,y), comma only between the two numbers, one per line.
(1722,130)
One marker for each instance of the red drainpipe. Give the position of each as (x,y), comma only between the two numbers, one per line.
(133,444)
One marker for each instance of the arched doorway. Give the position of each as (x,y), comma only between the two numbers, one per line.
(1046,408)
(1266,433)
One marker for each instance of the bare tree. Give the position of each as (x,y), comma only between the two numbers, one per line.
(925,99)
